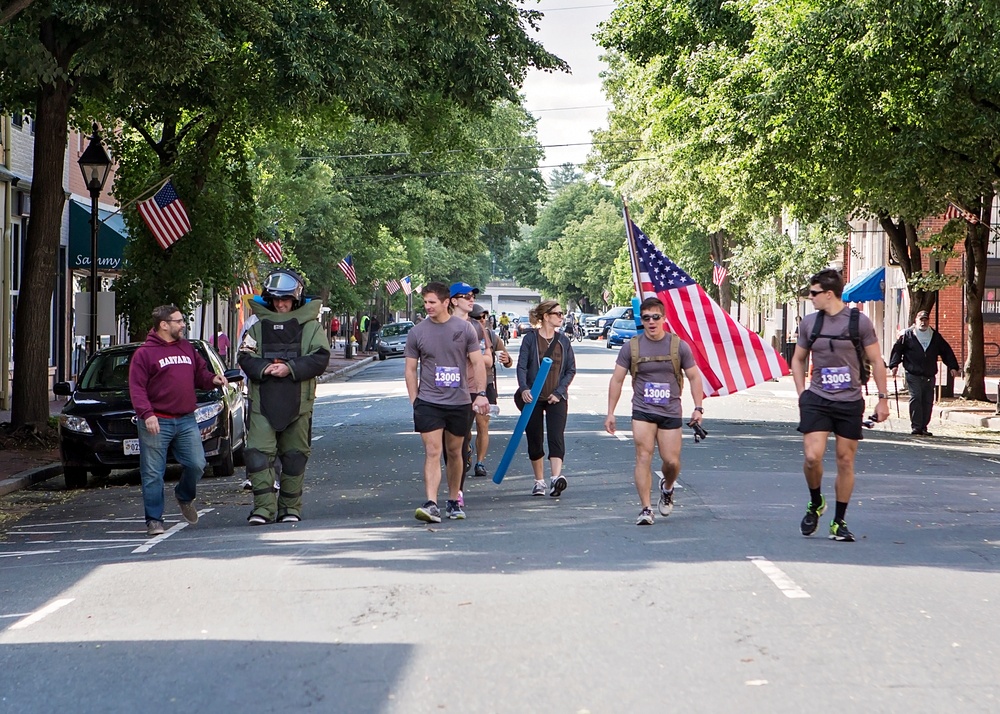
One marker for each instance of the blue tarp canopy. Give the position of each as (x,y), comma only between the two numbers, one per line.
(870,286)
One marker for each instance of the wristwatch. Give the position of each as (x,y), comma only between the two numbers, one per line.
(883,396)
(699,409)
(481,394)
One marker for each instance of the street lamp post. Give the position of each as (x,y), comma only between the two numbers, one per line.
(95,165)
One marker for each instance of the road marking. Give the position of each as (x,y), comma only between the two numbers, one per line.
(354,414)
(777,576)
(18,554)
(317,438)
(40,614)
(145,547)
(339,423)
(623,435)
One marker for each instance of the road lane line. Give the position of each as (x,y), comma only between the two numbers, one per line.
(145,547)
(339,423)
(317,438)
(623,435)
(40,614)
(22,553)
(777,576)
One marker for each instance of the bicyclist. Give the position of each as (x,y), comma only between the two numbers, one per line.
(504,327)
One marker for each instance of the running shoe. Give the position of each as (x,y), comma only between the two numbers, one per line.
(256,520)
(154,528)
(454,510)
(480,471)
(247,485)
(810,521)
(645,517)
(839,531)
(666,502)
(559,485)
(289,518)
(539,488)
(429,513)
(189,512)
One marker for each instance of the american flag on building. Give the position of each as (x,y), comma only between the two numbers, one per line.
(956,211)
(346,265)
(165,216)
(729,356)
(407,284)
(719,272)
(272,249)
(392,285)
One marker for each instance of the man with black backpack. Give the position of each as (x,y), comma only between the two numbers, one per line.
(841,341)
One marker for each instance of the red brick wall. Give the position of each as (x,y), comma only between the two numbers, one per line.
(949,315)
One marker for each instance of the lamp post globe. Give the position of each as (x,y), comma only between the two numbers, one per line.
(95,164)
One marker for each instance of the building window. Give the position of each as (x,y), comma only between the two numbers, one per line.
(17,119)
(991,296)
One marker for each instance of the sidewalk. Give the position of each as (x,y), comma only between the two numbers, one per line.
(22,467)
(959,411)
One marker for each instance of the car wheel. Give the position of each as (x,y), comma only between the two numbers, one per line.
(381,357)
(226,465)
(76,476)
(101,471)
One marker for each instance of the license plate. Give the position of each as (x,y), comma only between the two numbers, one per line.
(131,447)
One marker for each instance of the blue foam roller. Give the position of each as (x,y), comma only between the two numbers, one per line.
(522,421)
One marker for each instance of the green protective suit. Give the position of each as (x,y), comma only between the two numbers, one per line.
(281,408)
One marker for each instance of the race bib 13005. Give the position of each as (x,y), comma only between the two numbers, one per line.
(447,377)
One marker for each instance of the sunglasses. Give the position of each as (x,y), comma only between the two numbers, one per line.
(464,296)
(814,293)
(557,314)
(481,317)
(651,318)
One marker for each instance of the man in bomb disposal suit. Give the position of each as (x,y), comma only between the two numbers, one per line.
(281,354)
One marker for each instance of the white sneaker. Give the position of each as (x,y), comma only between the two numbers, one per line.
(539,488)
(645,517)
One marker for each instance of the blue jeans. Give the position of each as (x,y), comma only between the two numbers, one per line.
(182,437)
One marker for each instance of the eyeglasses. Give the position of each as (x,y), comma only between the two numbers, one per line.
(181,320)
(481,317)
(557,314)
(465,296)
(651,318)
(814,293)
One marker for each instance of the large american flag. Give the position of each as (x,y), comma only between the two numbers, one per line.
(272,249)
(392,285)
(729,356)
(165,215)
(347,266)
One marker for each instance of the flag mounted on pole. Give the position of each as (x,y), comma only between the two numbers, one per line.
(347,267)
(392,285)
(956,211)
(729,356)
(272,249)
(719,272)
(165,215)
(407,285)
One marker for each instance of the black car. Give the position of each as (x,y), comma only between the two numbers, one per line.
(598,327)
(97,430)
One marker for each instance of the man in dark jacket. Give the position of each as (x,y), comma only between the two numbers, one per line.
(162,378)
(919,348)
(282,355)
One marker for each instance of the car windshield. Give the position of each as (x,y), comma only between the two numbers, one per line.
(624,325)
(109,369)
(396,330)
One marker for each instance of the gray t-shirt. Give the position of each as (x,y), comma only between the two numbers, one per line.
(654,387)
(836,374)
(443,351)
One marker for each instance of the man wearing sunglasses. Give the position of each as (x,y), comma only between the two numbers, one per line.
(500,354)
(919,348)
(832,401)
(656,404)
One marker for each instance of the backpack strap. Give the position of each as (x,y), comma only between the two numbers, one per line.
(674,357)
(817,328)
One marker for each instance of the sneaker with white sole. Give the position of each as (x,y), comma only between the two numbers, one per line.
(454,510)
(429,513)
(666,503)
(559,484)
(539,488)
(289,518)
(189,512)
(257,520)
(645,517)
(154,528)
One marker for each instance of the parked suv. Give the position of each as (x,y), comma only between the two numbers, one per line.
(595,327)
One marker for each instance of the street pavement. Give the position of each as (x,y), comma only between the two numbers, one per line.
(531,604)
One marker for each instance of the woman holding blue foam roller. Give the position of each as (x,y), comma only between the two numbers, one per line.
(549,415)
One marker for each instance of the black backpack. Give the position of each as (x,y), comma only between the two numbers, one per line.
(853,334)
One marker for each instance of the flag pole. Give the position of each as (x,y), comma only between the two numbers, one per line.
(141,196)
(633,259)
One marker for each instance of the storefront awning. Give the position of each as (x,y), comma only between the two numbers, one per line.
(110,239)
(870,286)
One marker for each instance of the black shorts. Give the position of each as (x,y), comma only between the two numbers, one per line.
(429,417)
(819,414)
(662,422)
(491,393)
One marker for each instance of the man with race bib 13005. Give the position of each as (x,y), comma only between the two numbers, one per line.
(833,401)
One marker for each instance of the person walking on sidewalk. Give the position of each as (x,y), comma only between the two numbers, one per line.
(657,361)
(549,415)
(501,355)
(163,376)
(919,348)
(282,355)
(833,401)
(438,353)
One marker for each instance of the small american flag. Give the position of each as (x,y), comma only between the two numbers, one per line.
(246,288)
(719,272)
(272,249)
(606,295)
(347,266)
(392,285)
(407,285)
(955,211)
(729,356)
(165,216)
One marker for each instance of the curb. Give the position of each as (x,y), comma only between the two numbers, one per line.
(972,418)
(27,478)
(344,371)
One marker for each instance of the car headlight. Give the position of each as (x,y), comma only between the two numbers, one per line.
(206,412)
(75,423)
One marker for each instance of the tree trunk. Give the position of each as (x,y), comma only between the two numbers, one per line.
(976,242)
(30,400)
(903,242)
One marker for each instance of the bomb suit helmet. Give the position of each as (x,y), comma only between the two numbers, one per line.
(283,283)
